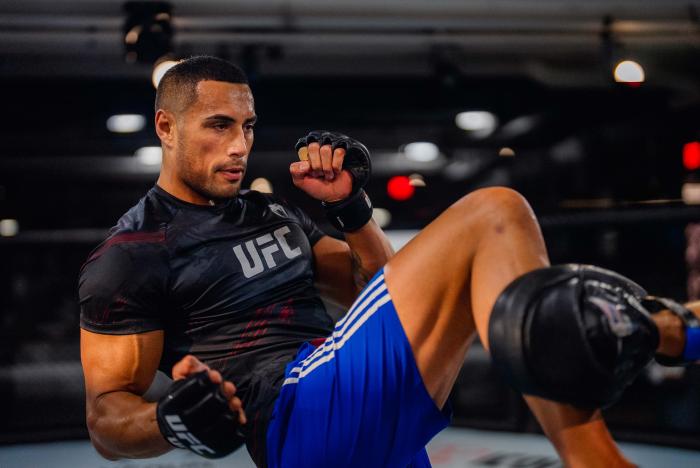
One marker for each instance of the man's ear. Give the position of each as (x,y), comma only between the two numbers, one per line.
(165,127)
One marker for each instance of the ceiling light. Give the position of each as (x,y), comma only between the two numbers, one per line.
(149,155)
(160,69)
(9,227)
(520,126)
(133,35)
(126,123)
(421,151)
(381,216)
(629,71)
(690,192)
(480,123)
(416,180)
(506,152)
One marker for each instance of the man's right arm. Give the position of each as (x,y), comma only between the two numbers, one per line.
(118,370)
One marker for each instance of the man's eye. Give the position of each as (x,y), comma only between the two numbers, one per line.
(220,126)
(249,127)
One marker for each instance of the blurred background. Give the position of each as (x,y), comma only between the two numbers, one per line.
(591,109)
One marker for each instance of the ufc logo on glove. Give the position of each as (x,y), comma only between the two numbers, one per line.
(182,433)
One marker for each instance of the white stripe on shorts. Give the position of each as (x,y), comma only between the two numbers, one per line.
(368,295)
(315,359)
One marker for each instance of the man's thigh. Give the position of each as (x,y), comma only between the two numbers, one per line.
(358,399)
(445,281)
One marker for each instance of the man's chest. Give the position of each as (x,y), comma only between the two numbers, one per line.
(229,268)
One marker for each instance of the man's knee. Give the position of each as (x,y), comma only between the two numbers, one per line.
(495,208)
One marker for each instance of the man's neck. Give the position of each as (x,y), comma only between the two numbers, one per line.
(181,191)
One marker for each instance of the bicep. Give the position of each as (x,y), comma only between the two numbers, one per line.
(113,363)
(334,276)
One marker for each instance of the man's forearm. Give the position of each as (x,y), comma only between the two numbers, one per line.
(123,425)
(370,250)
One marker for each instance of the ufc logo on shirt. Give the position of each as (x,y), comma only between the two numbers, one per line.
(261,250)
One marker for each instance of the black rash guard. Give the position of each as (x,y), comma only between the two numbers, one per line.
(231,284)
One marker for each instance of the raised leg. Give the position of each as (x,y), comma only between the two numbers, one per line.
(444,284)
(446,280)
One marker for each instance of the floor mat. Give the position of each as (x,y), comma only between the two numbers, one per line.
(452,448)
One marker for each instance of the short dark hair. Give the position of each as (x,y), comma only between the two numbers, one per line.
(178,87)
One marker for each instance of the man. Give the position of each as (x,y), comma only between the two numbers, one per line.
(223,286)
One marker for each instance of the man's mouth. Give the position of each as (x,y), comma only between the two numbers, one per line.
(232,174)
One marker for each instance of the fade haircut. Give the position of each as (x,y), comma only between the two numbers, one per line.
(177,89)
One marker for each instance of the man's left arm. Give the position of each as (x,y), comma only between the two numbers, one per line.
(333,169)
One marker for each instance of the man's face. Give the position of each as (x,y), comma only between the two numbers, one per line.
(214,138)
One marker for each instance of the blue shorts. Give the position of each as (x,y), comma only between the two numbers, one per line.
(358,399)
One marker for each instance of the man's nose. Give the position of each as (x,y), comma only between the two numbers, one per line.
(238,146)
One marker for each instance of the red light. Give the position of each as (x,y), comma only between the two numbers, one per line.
(400,188)
(691,155)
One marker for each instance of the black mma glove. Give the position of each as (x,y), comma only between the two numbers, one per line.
(355,211)
(195,415)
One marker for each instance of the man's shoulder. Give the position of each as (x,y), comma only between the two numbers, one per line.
(142,228)
(149,214)
(123,280)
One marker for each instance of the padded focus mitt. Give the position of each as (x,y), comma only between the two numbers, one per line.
(572,333)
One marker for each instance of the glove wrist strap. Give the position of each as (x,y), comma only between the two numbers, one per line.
(350,214)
